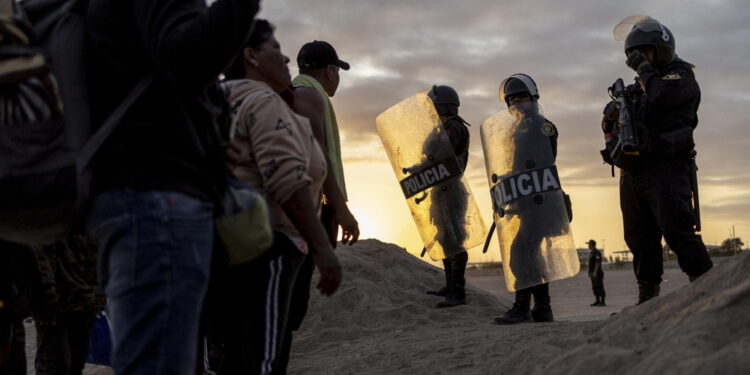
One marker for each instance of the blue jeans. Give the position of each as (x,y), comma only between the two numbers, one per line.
(154,259)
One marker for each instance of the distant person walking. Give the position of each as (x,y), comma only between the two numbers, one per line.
(596,273)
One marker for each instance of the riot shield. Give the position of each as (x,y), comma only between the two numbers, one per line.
(536,244)
(438,196)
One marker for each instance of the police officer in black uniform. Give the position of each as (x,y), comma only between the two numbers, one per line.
(656,185)
(516,90)
(596,273)
(446,102)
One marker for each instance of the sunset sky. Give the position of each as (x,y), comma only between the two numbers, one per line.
(397,48)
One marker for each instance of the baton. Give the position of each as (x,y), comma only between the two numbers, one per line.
(694,188)
(489,238)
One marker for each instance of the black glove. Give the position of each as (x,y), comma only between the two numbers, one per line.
(610,116)
(636,60)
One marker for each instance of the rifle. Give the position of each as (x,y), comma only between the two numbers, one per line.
(627,141)
(694,188)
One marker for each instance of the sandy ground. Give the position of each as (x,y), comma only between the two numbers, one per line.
(382,322)
(571,298)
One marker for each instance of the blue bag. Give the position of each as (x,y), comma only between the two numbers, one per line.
(100,344)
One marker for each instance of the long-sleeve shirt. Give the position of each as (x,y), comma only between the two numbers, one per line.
(171,137)
(279,151)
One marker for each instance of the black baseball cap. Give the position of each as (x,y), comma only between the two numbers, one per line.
(319,54)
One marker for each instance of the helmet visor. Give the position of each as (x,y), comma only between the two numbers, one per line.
(640,21)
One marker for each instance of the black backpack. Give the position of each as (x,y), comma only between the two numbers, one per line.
(46,137)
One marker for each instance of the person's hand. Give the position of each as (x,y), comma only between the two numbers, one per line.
(330,270)
(636,60)
(349,227)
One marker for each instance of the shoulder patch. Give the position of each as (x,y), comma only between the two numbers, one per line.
(548,129)
(671,77)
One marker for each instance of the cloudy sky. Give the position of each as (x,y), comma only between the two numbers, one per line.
(397,48)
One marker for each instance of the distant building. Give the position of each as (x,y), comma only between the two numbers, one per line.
(624,255)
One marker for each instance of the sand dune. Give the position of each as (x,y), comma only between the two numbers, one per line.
(382,322)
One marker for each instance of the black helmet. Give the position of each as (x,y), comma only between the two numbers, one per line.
(445,99)
(516,84)
(647,31)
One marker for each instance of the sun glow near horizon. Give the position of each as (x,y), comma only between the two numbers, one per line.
(377,202)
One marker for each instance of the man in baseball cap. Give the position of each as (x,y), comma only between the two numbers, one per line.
(319,54)
(318,80)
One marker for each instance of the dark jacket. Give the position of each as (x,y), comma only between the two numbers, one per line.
(458,135)
(171,139)
(595,257)
(669,102)
(552,137)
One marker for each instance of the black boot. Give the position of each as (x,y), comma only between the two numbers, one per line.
(519,313)
(596,303)
(457,294)
(542,308)
(442,292)
(646,291)
(601,301)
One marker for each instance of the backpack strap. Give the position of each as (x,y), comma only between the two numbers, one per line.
(111,123)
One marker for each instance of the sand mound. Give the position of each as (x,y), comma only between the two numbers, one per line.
(382,322)
(702,328)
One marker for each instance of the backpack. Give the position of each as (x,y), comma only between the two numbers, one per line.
(46,137)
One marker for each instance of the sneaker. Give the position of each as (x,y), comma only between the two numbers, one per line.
(513,316)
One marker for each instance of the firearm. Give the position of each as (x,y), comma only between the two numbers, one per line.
(694,188)
(626,137)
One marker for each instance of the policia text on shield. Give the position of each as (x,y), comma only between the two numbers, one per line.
(427,144)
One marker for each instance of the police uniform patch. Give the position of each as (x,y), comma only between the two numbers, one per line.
(671,77)
(548,129)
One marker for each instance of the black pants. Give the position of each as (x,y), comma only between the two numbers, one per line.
(655,202)
(541,298)
(61,349)
(18,275)
(13,361)
(301,294)
(455,270)
(597,284)
(256,310)
(298,309)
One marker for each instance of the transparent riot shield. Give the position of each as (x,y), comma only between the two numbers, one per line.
(536,244)
(438,196)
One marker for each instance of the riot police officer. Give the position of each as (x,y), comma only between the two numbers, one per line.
(446,102)
(519,91)
(657,176)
